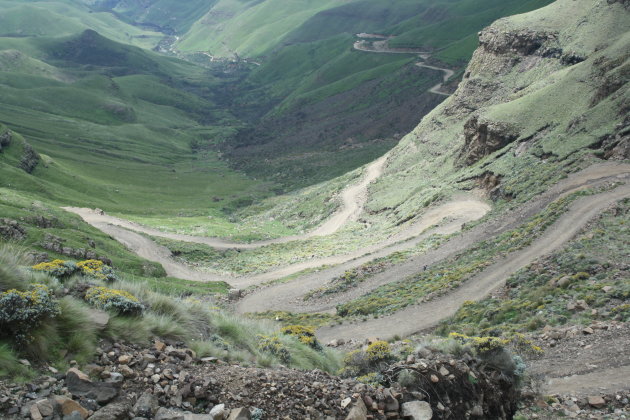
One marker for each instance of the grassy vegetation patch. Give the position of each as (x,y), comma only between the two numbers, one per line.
(354,277)
(449,274)
(290,318)
(136,314)
(589,268)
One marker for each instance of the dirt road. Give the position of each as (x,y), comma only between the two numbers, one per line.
(460,210)
(420,317)
(352,200)
(382,47)
(289,296)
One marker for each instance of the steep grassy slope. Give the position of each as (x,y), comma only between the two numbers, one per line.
(326,106)
(131,127)
(543,93)
(67,17)
(168,16)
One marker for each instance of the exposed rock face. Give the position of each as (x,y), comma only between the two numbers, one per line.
(485,137)
(5,139)
(11,230)
(56,244)
(30,159)
(522,42)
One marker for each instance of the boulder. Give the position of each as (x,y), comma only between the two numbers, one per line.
(218,412)
(80,385)
(240,414)
(113,411)
(45,408)
(127,372)
(35,414)
(169,414)
(68,406)
(417,410)
(358,411)
(391,403)
(146,406)
(596,401)
(73,416)
(235,294)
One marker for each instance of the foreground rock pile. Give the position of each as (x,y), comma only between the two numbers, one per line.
(169,382)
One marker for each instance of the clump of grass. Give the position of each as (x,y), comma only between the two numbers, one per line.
(204,327)
(12,276)
(10,364)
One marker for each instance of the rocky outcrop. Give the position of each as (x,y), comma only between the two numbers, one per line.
(169,381)
(485,137)
(5,140)
(11,230)
(30,159)
(56,244)
(611,75)
(521,42)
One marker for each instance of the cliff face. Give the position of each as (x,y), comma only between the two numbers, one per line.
(545,93)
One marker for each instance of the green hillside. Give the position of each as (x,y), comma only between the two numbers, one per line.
(131,130)
(67,17)
(169,16)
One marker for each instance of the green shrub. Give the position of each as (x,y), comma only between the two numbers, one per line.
(373,378)
(306,335)
(98,270)
(57,268)
(112,299)
(274,346)
(21,312)
(379,351)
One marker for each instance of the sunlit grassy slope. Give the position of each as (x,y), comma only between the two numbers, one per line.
(67,17)
(130,129)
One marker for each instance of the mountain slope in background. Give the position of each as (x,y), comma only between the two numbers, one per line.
(311,108)
(124,124)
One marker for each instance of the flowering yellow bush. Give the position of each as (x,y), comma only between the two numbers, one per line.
(57,268)
(274,346)
(97,269)
(306,335)
(64,269)
(118,300)
(21,311)
(379,350)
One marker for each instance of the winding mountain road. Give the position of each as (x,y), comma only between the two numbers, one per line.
(460,210)
(382,47)
(353,198)
(427,315)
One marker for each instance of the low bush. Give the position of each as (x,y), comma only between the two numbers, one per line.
(379,351)
(98,270)
(57,268)
(306,335)
(120,301)
(22,311)
(274,346)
